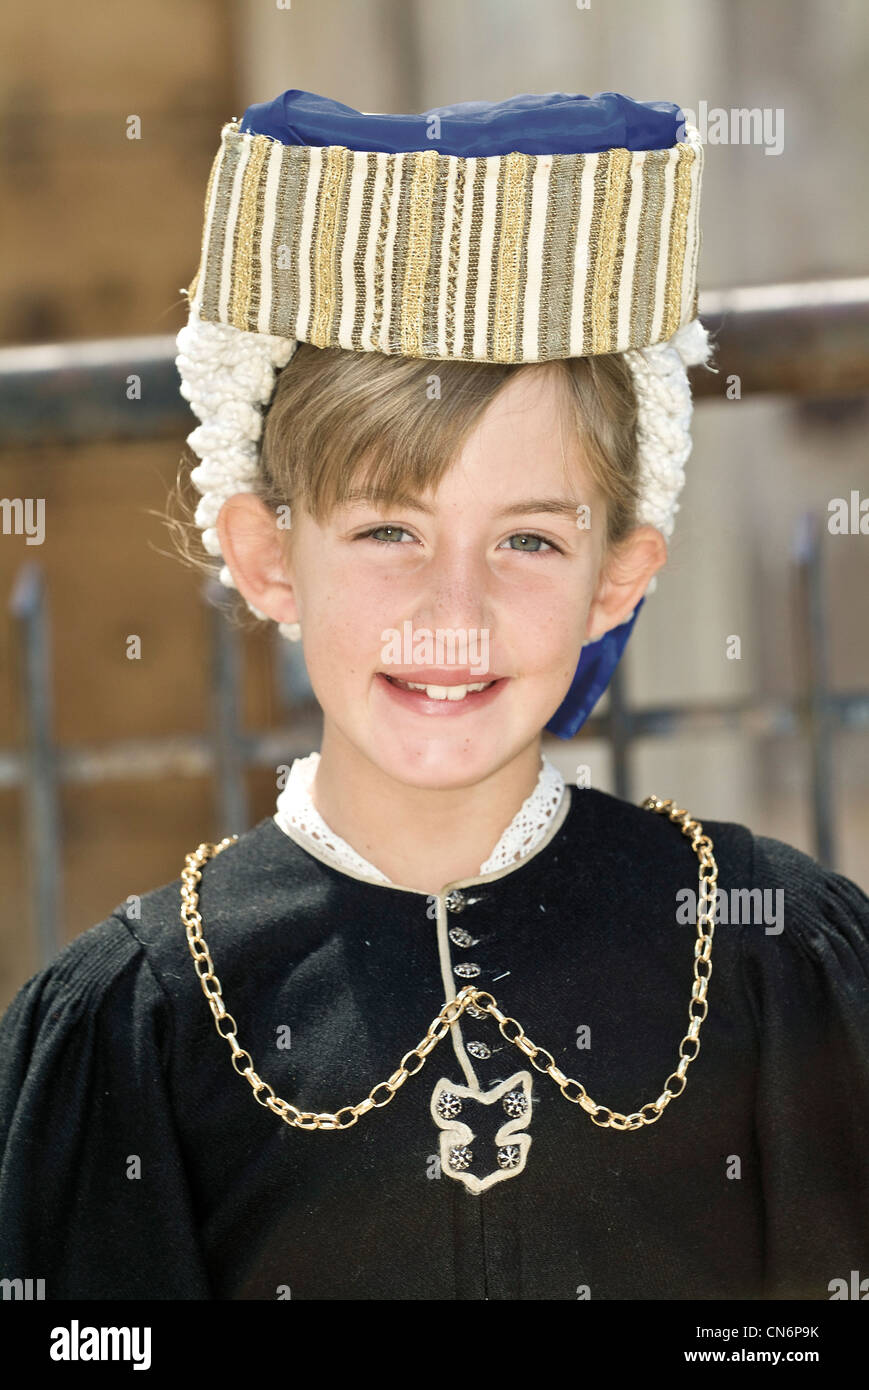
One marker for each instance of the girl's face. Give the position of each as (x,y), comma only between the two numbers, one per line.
(496,558)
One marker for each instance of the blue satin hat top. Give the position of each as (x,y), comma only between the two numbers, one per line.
(552,123)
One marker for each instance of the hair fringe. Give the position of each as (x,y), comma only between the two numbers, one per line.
(339,419)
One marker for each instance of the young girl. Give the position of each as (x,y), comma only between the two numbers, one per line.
(465,996)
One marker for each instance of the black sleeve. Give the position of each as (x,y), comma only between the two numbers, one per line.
(93,1193)
(809,990)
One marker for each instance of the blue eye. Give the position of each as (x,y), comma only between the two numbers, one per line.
(518,535)
(399,530)
(531,536)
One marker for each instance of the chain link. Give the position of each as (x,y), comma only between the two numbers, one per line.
(572,1090)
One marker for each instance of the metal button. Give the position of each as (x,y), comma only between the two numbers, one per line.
(455,900)
(479,1049)
(515,1103)
(508,1156)
(460,937)
(462,1157)
(448,1105)
(475,1012)
(466,970)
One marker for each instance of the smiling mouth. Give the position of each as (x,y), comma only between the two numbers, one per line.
(440,692)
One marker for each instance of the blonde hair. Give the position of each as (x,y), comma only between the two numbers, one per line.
(340,420)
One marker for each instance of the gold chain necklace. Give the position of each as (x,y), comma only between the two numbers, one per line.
(572,1090)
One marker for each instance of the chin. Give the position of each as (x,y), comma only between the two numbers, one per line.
(443,763)
(440,774)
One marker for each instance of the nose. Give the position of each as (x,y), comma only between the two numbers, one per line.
(455,588)
(453,585)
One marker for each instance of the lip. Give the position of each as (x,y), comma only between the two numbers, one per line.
(418,703)
(432,675)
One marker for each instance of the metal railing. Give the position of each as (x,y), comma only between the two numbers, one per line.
(809,340)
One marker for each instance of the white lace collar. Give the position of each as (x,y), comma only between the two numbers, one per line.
(296,809)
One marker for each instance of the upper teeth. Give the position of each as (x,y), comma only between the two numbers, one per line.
(444,692)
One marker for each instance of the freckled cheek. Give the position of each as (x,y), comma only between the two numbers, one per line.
(334,658)
(551,644)
(550,614)
(349,614)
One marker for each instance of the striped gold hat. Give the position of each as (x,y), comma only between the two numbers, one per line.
(542,227)
(506,258)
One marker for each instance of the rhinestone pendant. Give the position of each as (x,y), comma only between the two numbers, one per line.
(455,1110)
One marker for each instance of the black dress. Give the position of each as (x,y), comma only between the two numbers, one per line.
(137,1164)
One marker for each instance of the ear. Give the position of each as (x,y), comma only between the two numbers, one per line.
(624,578)
(256,551)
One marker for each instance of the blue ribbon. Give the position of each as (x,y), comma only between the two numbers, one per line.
(596,665)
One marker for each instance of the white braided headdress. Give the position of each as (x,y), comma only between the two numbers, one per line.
(304,243)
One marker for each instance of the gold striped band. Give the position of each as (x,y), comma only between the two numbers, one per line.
(509,258)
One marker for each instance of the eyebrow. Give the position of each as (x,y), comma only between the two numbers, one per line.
(556,506)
